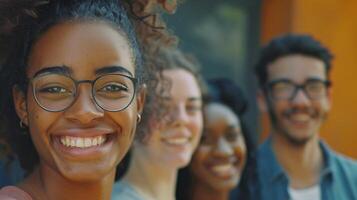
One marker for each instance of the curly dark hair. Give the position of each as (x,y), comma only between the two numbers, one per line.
(153,36)
(226,92)
(287,45)
(22,23)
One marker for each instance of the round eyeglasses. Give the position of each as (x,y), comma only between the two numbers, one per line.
(57,92)
(287,90)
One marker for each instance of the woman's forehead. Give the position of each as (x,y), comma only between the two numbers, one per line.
(81,46)
(219,112)
(183,84)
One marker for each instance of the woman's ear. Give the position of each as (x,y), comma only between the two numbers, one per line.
(140,99)
(20,104)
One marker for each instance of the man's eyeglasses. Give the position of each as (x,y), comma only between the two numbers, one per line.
(57,92)
(287,90)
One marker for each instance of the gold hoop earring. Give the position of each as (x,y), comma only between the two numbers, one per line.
(138,119)
(22,125)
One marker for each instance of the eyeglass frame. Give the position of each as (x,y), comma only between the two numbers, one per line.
(76,83)
(297,87)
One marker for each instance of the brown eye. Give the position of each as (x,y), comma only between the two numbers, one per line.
(193,108)
(53,89)
(113,88)
(315,87)
(232,136)
(282,89)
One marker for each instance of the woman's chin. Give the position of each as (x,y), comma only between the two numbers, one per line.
(87,172)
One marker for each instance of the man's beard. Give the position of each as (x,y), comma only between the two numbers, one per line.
(313,113)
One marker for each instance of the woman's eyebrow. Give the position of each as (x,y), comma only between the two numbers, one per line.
(113,69)
(65,70)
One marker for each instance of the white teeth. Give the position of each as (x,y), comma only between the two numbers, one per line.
(63,140)
(100,140)
(222,168)
(87,142)
(67,141)
(177,141)
(82,142)
(300,117)
(79,142)
(72,143)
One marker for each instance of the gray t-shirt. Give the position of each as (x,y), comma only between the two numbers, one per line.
(122,190)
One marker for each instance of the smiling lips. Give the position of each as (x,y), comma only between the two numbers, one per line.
(84,142)
(300,120)
(177,141)
(223,170)
(300,117)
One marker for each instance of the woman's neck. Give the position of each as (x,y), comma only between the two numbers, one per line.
(151,180)
(203,191)
(46,184)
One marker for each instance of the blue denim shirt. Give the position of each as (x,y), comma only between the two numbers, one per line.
(338,180)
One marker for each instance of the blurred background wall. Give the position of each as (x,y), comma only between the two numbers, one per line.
(226,35)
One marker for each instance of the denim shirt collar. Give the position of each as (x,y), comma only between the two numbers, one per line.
(329,165)
(271,171)
(268,166)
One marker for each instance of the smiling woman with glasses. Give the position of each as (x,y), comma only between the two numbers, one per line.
(73,90)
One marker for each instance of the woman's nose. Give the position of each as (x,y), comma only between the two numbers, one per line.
(84,109)
(223,148)
(179,115)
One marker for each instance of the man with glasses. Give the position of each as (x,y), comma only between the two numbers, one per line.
(295,89)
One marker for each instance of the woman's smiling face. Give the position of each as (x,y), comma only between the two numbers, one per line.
(83,142)
(221,155)
(174,142)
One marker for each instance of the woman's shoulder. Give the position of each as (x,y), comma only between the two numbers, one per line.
(13,193)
